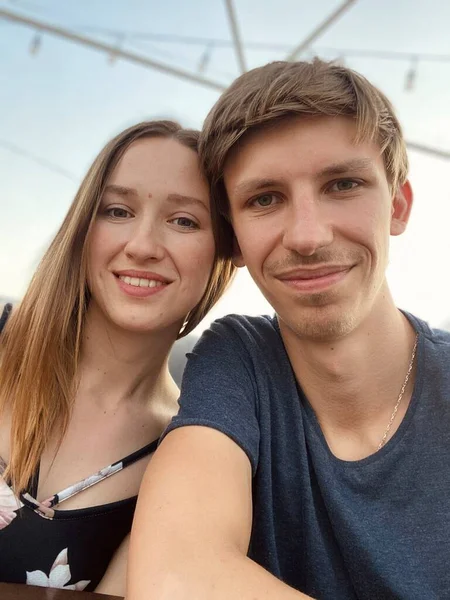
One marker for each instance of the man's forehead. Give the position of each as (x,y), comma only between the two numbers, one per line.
(316,145)
(248,182)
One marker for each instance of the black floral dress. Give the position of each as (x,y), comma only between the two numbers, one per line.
(69,549)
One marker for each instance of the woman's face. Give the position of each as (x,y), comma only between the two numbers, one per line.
(151,249)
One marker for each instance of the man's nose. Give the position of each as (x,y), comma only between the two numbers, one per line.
(306,227)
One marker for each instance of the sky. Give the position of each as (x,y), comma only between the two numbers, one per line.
(59,106)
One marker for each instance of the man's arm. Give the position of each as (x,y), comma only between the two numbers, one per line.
(193,522)
(113,581)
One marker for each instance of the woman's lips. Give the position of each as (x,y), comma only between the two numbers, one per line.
(140,287)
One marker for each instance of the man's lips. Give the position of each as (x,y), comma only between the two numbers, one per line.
(313,273)
(314,279)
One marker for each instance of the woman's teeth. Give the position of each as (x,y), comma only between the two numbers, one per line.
(138,282)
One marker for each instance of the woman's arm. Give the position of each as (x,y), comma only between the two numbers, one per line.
(193,522)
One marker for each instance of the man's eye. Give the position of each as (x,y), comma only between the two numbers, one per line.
(265,200)
(116,212)
(344,185)
(185,222)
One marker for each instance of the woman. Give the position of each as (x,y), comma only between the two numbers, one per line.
(85,390)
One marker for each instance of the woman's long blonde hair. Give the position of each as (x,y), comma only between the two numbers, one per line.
(40,345)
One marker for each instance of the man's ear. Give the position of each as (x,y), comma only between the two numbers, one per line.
(237,258)
(401,208)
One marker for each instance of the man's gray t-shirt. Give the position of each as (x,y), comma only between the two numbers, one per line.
(377,528)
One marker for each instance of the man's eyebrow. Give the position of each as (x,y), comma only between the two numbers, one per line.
(120,190)
(181,200)
(357,164)
(255,185)
(262,183)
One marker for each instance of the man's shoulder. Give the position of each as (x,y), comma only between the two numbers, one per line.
(434,335)
(440,336)
(237,338)
(242,329)
(240,323)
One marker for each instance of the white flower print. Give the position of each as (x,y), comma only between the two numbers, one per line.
(58,577)
(9,503)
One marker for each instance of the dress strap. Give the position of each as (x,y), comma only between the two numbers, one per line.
(115,467)
(5,314)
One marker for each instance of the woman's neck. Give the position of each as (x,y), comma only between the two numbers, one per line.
(118,366)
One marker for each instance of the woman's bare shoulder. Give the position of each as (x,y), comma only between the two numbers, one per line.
(6,309)
(5,433)
(5,418)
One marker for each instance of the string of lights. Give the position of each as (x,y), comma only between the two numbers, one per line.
(164,38)
(208,45)
(39,160)
(121,39)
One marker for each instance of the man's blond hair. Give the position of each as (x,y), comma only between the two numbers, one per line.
(280,90)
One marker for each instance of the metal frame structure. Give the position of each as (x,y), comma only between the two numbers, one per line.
(115,51)
(236,35)
(110,49)
(335,15)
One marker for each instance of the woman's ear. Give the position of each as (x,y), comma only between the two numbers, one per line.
(401,208)
(237,259)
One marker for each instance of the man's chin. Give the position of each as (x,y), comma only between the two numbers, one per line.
(319,323)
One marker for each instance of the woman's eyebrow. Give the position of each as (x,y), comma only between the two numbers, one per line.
(181,200)
(120,190)
(177,199)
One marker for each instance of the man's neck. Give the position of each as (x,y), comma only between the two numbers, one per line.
(353,382)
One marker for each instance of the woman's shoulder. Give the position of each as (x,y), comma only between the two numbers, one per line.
(5,434)
(5,417)
(5,310)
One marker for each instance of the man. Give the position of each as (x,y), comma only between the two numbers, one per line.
(309,457)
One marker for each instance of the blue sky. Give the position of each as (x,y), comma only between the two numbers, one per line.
(64,103)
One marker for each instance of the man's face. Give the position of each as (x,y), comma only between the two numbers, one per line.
(312,213)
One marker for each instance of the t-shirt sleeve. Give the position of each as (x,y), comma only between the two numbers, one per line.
(218,389)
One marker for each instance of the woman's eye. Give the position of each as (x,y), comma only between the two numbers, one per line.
(344,185)
(185,222)
(116,212)
(265,200)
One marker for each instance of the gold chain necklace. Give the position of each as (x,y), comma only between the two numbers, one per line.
(400,396)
